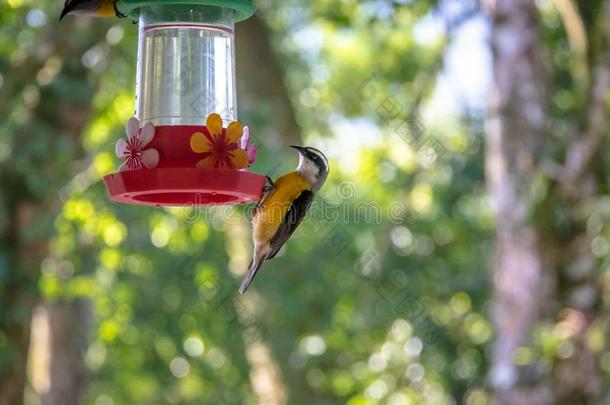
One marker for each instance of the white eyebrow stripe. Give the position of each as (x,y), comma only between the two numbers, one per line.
(319,154)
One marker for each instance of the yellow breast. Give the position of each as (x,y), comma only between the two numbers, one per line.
(275,206)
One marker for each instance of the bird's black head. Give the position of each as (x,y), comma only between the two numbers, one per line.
(313,165)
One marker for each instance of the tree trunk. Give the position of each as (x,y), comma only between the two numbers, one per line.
(261,83)
(17,293)
(515,134)
(266,377)
(539,272)
(68,333)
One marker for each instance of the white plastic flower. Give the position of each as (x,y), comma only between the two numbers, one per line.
(132,149)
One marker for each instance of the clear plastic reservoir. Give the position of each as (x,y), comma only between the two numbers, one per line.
(186,65)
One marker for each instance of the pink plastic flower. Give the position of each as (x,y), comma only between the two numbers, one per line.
(132,149)
(250,148)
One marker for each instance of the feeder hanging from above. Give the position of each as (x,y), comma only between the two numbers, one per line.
(185,145)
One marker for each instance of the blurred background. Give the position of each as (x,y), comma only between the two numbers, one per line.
(455,255)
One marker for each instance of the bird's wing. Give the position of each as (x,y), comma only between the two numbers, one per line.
(292,219)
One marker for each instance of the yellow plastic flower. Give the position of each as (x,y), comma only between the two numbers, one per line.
(219,146)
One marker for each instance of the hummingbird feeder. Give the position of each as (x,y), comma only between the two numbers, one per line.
(185,146)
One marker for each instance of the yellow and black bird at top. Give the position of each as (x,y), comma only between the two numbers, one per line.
(283,206)
(91,8)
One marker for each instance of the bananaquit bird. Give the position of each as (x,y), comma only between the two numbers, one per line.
(283,206)
(91,8)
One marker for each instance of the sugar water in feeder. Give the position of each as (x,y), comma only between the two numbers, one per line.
(185,68)
(185,146)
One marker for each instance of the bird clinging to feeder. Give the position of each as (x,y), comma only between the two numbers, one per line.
(283,207)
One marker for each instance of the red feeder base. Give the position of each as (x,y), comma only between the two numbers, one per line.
(180,186)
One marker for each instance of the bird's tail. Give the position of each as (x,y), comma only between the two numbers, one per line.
(254,266)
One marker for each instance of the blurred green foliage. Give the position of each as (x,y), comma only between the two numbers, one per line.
(390,310)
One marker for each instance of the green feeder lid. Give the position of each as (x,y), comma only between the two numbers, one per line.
(243,8)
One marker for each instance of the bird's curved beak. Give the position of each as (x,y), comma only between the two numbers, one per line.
(66,10)
(298,148)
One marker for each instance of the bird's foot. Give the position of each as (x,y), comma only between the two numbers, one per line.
(269,181)
(269,185)
(117,12)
